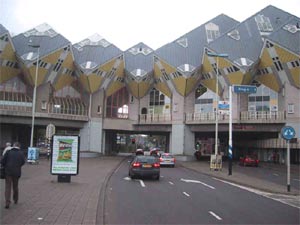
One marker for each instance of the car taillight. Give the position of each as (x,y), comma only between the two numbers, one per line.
(173,160)
(136,164)
(160,159)
(156,165)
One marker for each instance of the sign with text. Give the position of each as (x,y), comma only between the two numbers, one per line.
(244,89)
(65,155)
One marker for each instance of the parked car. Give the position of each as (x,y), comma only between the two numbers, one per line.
(167,159)
(144,166)
(249,160)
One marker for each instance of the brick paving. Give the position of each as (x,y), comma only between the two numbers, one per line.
(43,200)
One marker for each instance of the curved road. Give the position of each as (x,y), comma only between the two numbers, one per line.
(183,196)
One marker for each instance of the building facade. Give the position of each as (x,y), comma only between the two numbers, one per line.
(173,94)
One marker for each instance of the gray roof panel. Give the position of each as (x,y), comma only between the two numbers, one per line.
(288,35)
(191,50)
(251,39)
(139,56)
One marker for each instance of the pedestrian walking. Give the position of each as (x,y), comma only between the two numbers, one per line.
(7,148)
(12,162)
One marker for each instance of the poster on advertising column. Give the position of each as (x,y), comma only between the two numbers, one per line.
(65,155)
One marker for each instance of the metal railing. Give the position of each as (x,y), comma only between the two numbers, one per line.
(263,116)
(155,118)
(205,117)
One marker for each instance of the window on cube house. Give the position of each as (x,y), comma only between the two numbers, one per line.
(117,104)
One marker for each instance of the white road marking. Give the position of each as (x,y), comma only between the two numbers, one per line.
(186,194)
(197,182)
(162,176)
(171,183)
(275,174)
(285,199)
(127,178)
(215,215)
(296,179)
(142,183)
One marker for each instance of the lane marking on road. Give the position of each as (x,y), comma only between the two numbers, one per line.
(127,178)
(296,179)
(197,182)
(171,183)
(276,174)
(142,183)
(186,194)
(285,199)
(215,215)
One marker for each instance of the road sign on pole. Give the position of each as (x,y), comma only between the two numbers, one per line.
(288,133)
(250,89)
(50,131)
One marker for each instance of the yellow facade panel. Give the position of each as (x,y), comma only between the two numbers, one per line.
(113,88)
(8,53)
(68,62)
(94,82)
(190,85)
(295,72)
(53,57)
(108,66)
(6,73)
(210,84)
(270,81)
(164,89)
(168,68)
(247,78)
(85,83)
(63,81)
(236,78)
(134,88)
(206,65)
(285,56)
(266,60)
(144,88)
(180,85)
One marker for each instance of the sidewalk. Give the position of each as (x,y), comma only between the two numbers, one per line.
(248,176)
(43,200)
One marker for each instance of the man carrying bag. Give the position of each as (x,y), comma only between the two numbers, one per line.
(12,162)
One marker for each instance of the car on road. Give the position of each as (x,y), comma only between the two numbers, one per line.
(166,159)
(139,151)
(144,166)
(249,160)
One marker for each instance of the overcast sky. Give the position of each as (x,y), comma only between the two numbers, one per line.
(128,22)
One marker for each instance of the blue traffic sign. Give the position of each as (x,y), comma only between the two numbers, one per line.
(244,89)
(288,132)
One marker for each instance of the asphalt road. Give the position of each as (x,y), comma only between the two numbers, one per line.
(183,196)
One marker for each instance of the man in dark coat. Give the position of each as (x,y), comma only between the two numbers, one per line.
(12,161)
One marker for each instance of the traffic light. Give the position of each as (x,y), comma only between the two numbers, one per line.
(133,141)
(197,145)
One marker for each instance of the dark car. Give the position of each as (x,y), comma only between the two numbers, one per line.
(144,166)
(249,160)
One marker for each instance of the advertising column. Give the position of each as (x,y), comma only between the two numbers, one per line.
(65,157)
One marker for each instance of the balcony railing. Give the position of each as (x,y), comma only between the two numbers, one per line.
(263,116)
(249,117)
(155,118)
(209,117)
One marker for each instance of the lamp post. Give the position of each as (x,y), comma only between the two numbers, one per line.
(217,55)
(34,92)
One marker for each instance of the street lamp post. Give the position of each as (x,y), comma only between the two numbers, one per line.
(217,55)
(34,92)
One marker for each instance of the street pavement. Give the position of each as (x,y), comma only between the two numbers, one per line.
(44,200)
